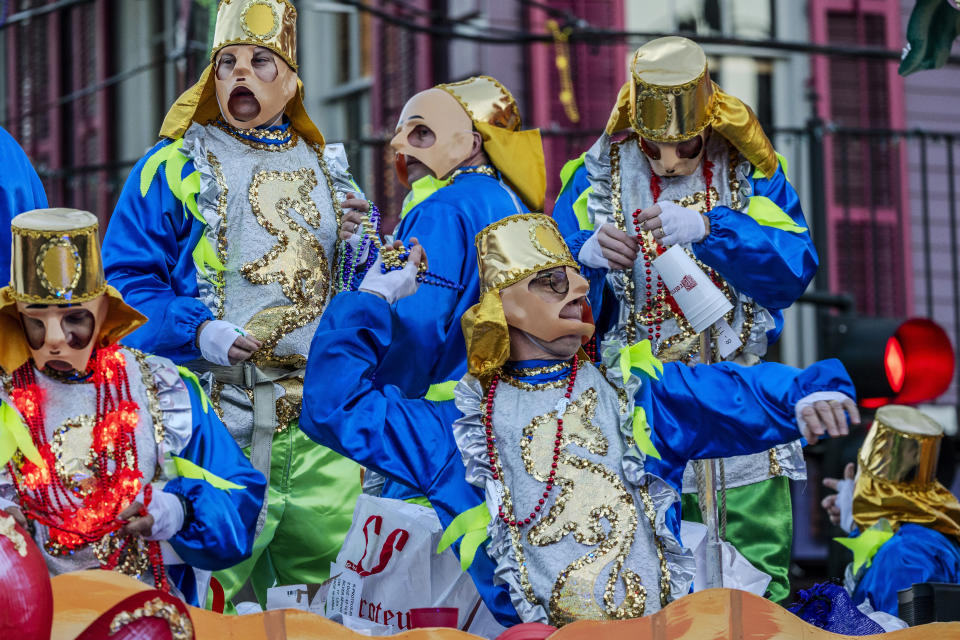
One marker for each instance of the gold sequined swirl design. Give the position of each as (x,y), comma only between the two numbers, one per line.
(298,264)
(589,494)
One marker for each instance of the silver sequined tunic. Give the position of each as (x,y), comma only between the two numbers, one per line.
(270,215)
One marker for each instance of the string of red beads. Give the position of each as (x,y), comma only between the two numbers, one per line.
(508,518)
(655,312)
(75,518)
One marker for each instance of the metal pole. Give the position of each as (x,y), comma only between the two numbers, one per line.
(707,495)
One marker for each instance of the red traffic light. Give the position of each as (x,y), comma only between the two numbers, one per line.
(918,362)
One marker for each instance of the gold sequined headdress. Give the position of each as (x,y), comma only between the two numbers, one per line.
(897,467)
(516,153)
(508,251)
(55,261)
(263,23)
(670,97)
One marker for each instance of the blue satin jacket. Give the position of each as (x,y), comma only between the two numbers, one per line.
(738,410)
(20,190)
(771,265)
(914,554)
(429,344)
(220,530)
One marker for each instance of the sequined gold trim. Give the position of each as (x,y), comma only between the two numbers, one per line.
(523,372)
(485,169)
(775,469)
(533,386)
(8,529)
(334,201)
(651,513)
(224,192)
(153,403)
(260,146)
(72,449)
(181,628)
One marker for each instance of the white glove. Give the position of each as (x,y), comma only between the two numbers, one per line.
(167,512)
(837,415)
(680,225)
(845,503)
(215,341)
(591,254)
(354,241)
(392,285)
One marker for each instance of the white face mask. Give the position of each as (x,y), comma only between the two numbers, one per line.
(253,85)
(63,337)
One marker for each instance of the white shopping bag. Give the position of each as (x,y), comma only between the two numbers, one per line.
(738,573)
(392,547)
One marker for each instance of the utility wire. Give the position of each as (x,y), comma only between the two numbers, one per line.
(28,14)
(595,36)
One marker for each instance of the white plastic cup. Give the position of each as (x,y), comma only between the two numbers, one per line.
(701,302)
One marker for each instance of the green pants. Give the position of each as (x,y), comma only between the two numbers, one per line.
(312,493)
(760,526)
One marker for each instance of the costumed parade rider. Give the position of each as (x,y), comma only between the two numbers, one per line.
(572,474)
(461,149)
(226,236)
(112,457)
(904,524)
(695,169)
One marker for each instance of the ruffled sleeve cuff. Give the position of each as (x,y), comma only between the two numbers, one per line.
(663,496)
(174,403)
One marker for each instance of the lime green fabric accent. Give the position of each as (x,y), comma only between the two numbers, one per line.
(580,210)
(15,436)
(185,190)
(639,356)
(419,500)
(187,469)
(186,374)
(764,211)
(420,190)
(866,545)
(207,261)
(471,525)
(310,499)
(569,169)
(641,433)
(760,526)
(783,165)
(441,391)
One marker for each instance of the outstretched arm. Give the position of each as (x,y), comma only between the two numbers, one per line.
(724,409)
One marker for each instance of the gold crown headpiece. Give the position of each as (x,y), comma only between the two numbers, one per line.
(56,257)
(56,261)
(508,251)
(518,246)
(486,100)
(897,474)
(264,23)
(670,97)
(516,153)
(902,446)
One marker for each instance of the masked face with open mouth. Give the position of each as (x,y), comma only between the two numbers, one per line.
(253,85)
(434,136)
(61,337)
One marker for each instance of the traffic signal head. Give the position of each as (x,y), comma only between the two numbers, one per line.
(891,360)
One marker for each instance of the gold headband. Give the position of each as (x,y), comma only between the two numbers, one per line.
(56,257)
(262,23)
(518,246)
(901,458)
